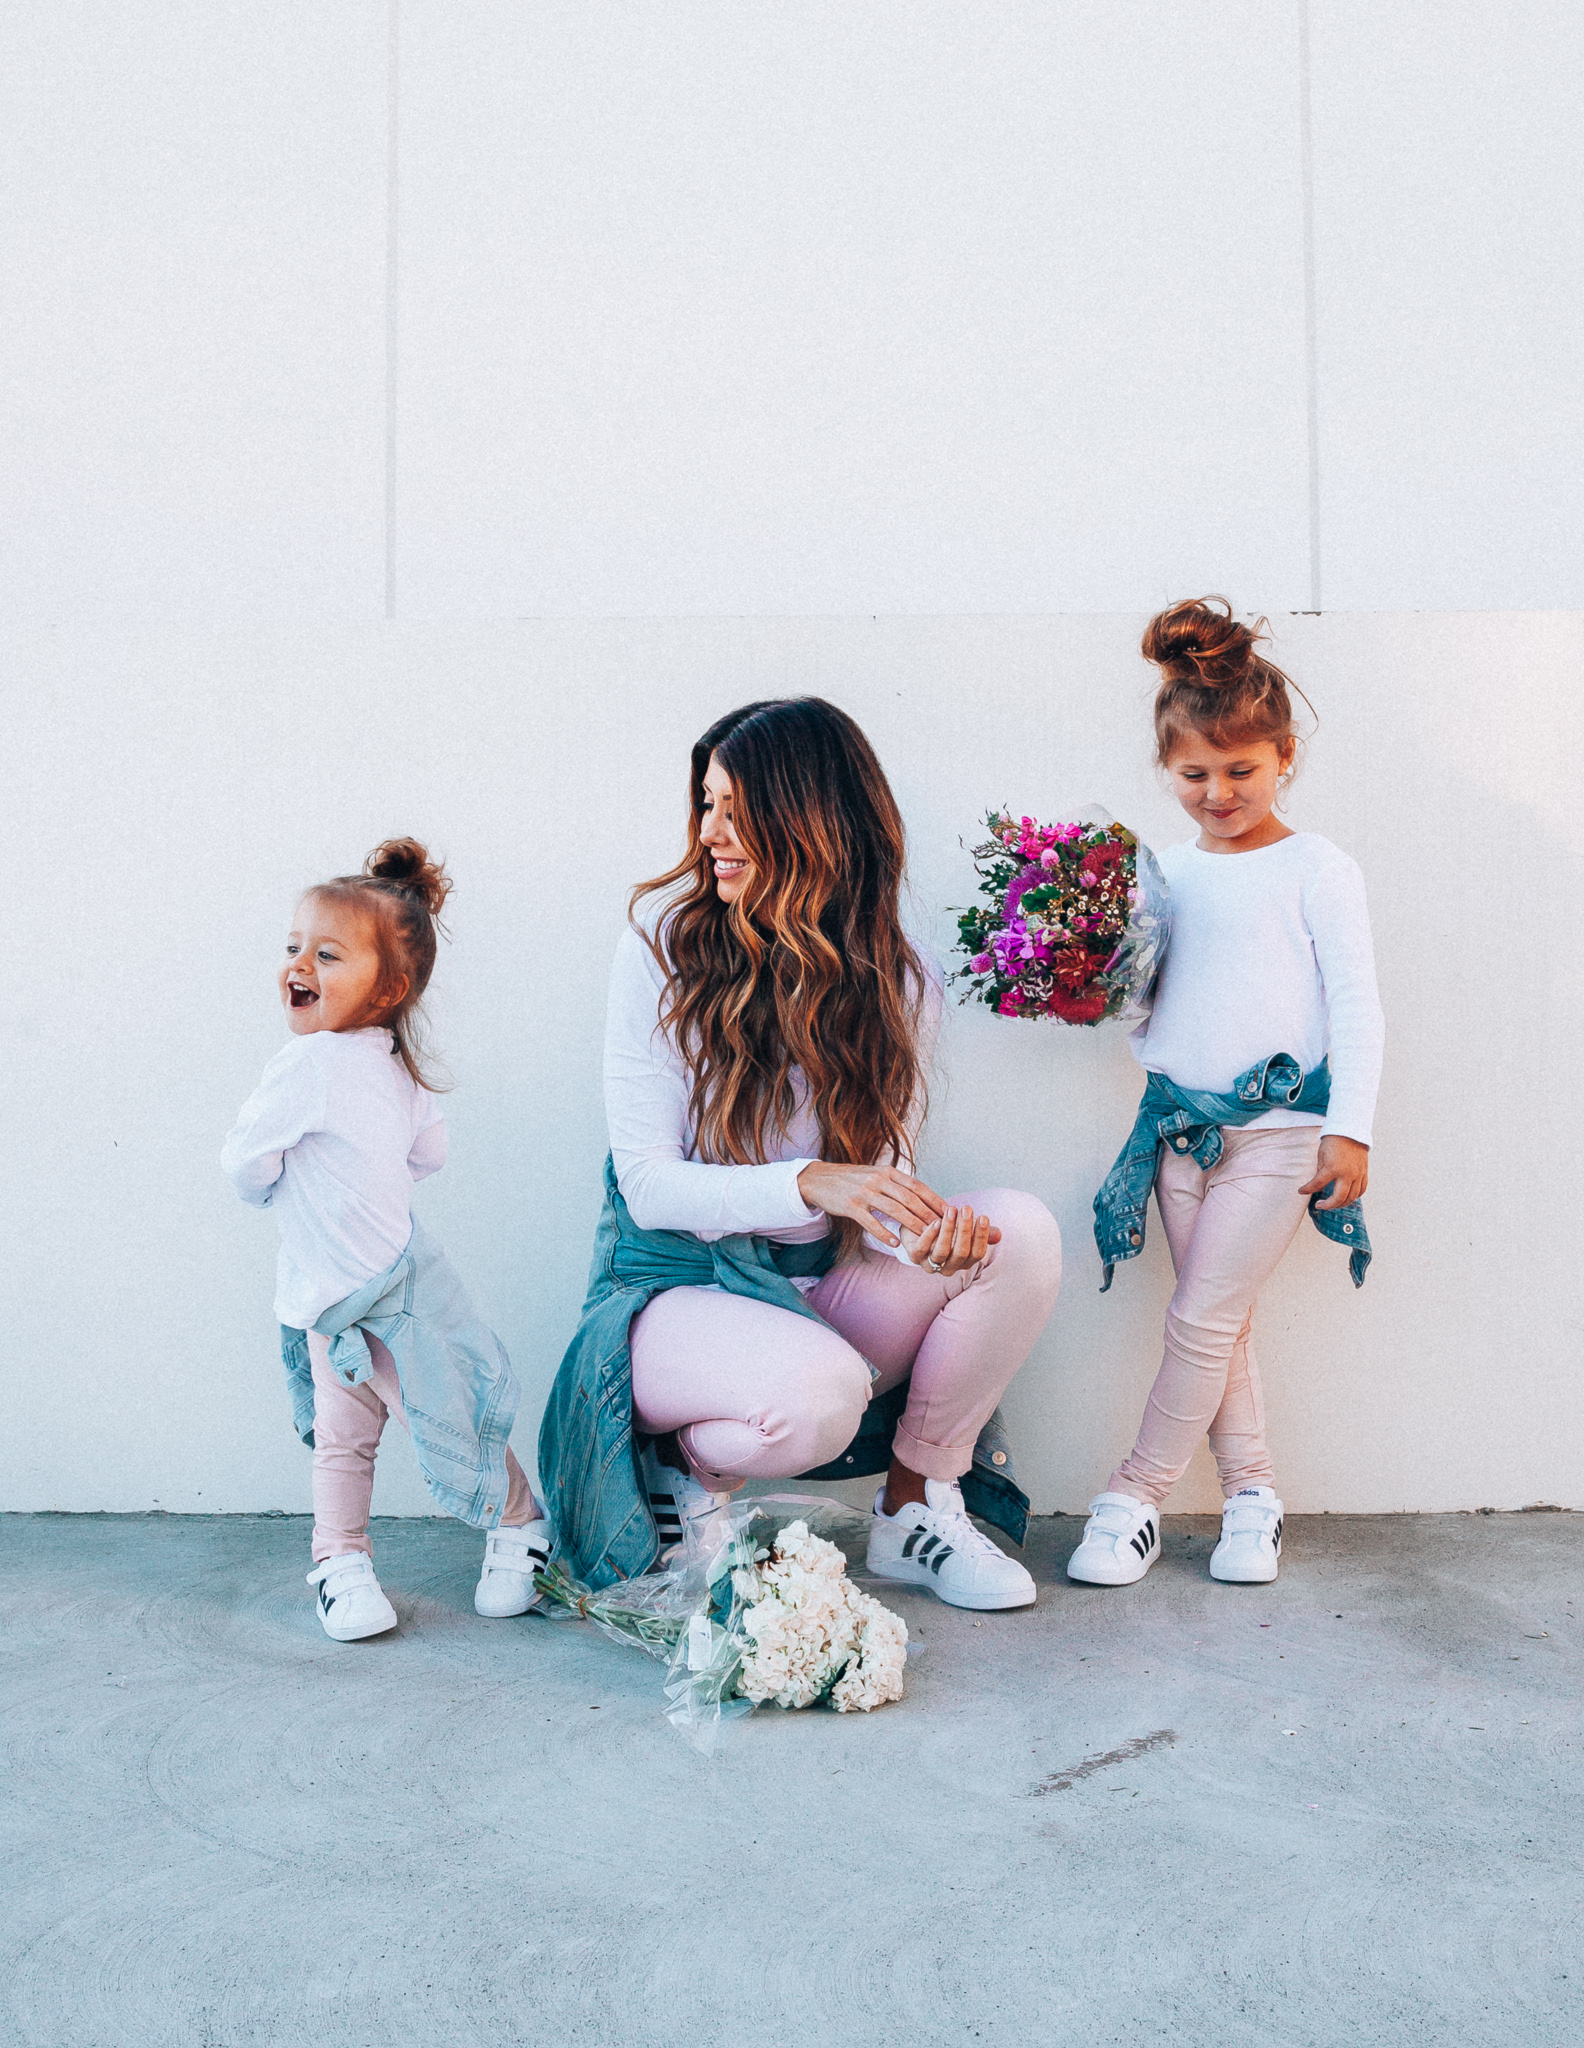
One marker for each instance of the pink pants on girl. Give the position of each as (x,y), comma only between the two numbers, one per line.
(348,1424)
(757,1392)
(1227,1230)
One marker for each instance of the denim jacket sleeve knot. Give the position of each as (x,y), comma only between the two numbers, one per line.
(457,1385)
(1191,1120)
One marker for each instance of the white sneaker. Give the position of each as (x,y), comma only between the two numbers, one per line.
(932,1543)
(351,1605)
(1121,1540)
(1251,1532)
(511,1557)
(678,1503)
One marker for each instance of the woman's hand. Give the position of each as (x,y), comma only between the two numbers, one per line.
(957,1239)
(1345,1161)
(860,1191)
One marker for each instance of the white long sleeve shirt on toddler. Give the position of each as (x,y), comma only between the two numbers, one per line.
(332,1140)
(1270,952)
(647,1087)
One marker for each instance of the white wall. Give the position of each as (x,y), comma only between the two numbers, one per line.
(176,786)
(430,415)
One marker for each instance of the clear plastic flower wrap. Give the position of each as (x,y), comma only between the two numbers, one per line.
(758,1609)
(1076,924)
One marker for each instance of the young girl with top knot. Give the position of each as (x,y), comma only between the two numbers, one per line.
(1263,1052)
(374,1323)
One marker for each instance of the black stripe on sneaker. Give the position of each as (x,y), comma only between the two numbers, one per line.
(926,1547)
(940,1557)
(912,1542)
(1278,1534)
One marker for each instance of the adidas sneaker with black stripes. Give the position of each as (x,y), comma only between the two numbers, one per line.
(932,1543)
(1121,1540)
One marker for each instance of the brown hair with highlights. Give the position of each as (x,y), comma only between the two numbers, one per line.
(809,968)
(1214,680)
(401,892)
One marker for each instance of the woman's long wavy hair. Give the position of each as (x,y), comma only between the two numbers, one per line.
(809,968)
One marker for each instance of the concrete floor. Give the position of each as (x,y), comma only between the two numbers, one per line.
(1344,1809)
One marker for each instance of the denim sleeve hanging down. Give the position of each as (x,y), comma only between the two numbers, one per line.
(457,1384)
(1190,1120)
(587,1461)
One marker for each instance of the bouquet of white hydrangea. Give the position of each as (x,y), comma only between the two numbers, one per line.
(758,1610)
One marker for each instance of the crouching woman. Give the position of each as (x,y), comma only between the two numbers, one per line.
(773,1287)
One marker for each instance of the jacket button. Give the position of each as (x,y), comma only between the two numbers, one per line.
(1136,1237)
(1347,1230)
(849,1457)
(1182,1144)
(489,1507)
(998,1457)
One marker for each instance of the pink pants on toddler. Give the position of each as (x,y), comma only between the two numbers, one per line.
(348,1424)
(1227,1229)
(758,1392)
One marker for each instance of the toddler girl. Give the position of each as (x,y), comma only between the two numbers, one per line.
(1263,1051)
(373,1320)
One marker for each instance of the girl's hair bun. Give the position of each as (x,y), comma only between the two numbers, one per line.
(405,864)
(1199,641)
(1214,680)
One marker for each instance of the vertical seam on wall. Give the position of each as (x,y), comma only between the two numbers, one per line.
(1311,343)
(391,281)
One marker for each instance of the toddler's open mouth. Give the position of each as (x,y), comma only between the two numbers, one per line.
(301,997)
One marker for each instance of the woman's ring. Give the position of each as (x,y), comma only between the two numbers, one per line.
(933,1264)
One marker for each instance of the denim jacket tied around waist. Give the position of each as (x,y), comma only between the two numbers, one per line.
(457,1386)
(1190,1120)
(587,1465)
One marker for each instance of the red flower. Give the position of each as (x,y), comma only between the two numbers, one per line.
(1087,1008)
(1074,968)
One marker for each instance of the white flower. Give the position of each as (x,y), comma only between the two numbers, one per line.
(806,1626)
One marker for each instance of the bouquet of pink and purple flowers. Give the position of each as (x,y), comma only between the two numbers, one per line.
(1076,924)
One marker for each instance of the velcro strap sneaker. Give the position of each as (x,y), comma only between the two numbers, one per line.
(1121,1540)
(351,1604)
(511,1557)
(1249,1552)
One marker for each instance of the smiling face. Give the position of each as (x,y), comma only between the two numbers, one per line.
(331,974)
(719,835)
(1230,793)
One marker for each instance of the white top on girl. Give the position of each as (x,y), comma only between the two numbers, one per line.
(647,1089)
(1270,952)
(332,1139)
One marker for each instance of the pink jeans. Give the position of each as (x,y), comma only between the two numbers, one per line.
(757,1392)
(1227,1230)
(348,1424)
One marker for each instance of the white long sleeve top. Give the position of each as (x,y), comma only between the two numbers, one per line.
(332,1140)
(652,1139)
(1270,952)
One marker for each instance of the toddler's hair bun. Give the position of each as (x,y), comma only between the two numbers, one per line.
(405,863)
(1199,641)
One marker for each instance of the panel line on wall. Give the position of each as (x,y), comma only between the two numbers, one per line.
(392,137)
(1311,345)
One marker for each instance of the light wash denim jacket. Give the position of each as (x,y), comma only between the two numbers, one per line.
(1190,1120)
(587,1460)
(457,1384)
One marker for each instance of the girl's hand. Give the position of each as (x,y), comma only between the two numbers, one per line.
(957,1240)
(859,1191)
(1345,1161)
